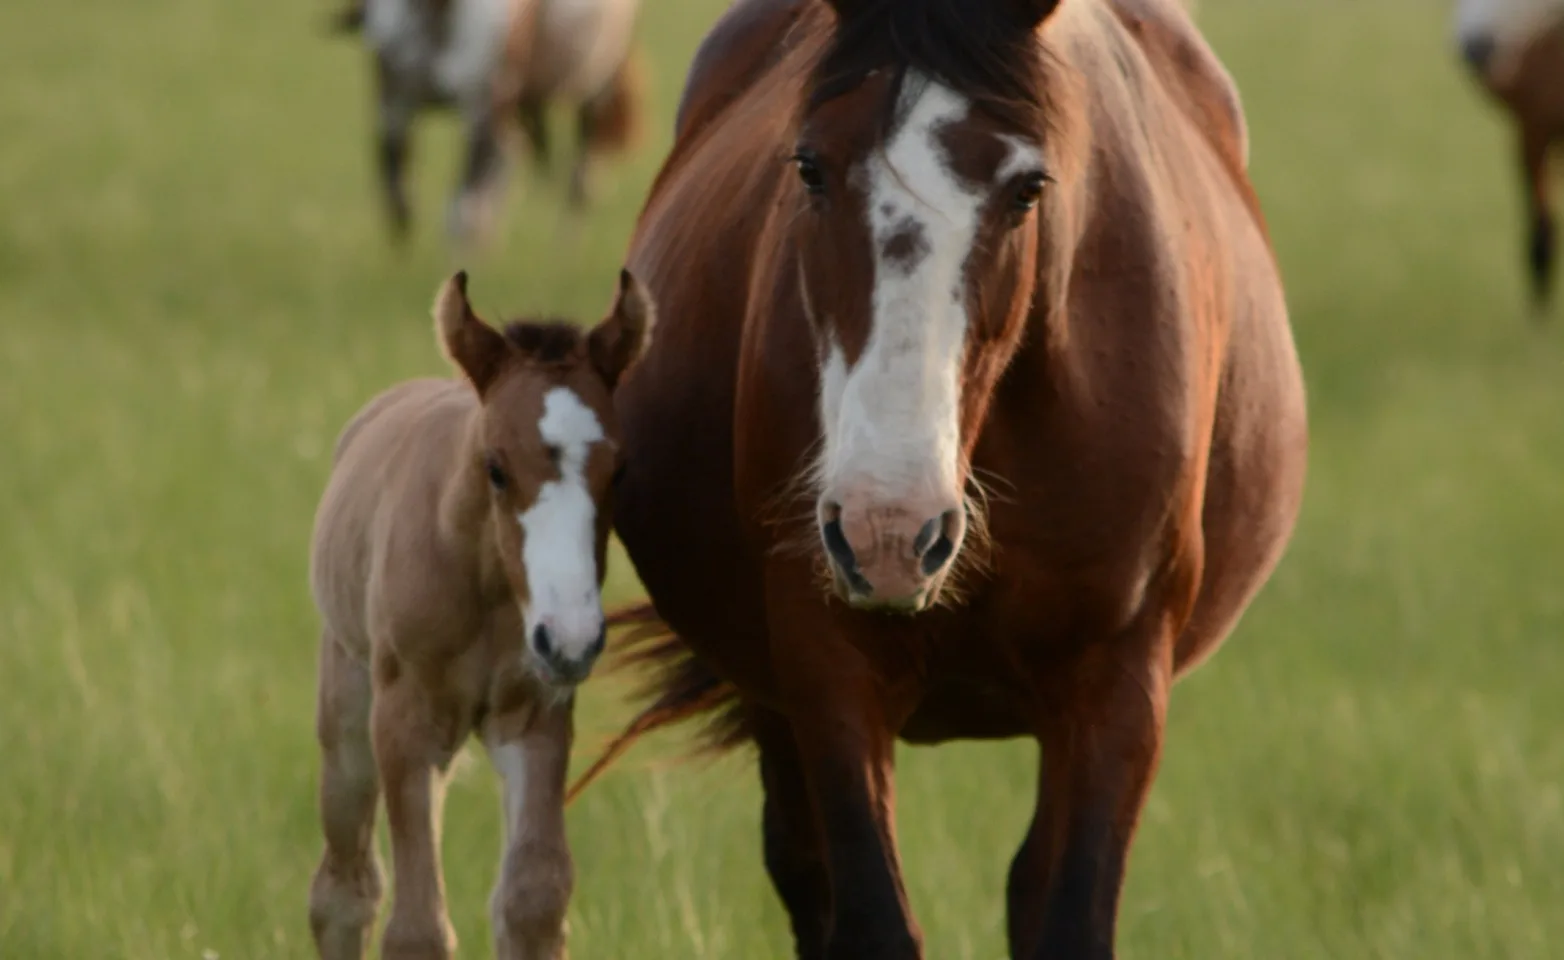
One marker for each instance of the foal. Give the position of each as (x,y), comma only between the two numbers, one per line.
(457,557)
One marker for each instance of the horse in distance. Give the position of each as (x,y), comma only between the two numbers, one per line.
(981,417)
(500,64)
(1515,50)
(456,562)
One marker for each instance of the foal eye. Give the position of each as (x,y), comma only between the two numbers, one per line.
(553,453)
(809,172)
(1030,191)
(497,478)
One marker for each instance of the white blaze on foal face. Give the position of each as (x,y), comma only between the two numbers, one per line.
(564,617)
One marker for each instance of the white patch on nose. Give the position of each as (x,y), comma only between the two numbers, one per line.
(891,420)
(559,534)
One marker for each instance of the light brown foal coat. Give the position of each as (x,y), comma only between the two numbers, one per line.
(417,572)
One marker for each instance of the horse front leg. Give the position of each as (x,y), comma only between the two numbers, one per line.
(845,739)
(530,748)
(415,739)
(791,843)
(472,210)
(397,102)
(1535,144)
(1102,738)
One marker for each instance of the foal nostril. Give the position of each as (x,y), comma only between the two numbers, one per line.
(936,542)
(1478,51)
(543,643)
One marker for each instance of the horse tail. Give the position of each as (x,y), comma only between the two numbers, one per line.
(679,687)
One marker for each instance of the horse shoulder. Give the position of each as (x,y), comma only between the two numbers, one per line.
(744,42)
(1192,73)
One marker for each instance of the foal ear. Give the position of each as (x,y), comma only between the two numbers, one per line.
(622,336)
(473,346)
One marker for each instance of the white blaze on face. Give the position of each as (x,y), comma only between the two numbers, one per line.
(1509,23)
(891,420)
(559,533)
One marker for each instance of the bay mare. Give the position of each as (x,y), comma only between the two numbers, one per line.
(976,414)
(457,556)
(500,64)
(1515,49)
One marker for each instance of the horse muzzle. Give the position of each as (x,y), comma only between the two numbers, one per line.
(891,558)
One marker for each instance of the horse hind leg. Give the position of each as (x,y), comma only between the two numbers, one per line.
(607,122)
(345,893)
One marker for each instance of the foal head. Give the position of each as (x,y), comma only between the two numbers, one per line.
(548,452)
(920,169)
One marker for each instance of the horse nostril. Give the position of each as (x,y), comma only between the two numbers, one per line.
(543,643)
(842,552)
(597,644)
(941,532)
(1478,51)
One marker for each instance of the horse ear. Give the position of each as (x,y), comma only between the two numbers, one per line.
(474,347)
(622,336)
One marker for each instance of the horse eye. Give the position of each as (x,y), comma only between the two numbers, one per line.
(1030,191)
(497,478)
(553,453)
(809,172)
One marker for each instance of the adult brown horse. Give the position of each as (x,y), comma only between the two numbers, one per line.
(909,250)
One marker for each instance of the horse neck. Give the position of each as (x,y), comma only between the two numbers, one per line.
(465,529)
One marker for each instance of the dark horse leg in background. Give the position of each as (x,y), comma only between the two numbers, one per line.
(1101,739)
(790,836)
(605,122)
(397,102)
(1536,140)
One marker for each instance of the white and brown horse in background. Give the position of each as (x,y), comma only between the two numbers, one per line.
(457,558)
(499,63)
(1516,49)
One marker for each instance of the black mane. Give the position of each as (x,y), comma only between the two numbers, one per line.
(548,341)
(986,50)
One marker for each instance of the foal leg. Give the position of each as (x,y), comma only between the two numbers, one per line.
(531,751)
(1535,144)
(415,739)
(794,855)
(1101,743)
(345,893)
(1026,892)
(397,102)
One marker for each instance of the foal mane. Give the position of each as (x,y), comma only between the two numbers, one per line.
(986,50)
(551,341)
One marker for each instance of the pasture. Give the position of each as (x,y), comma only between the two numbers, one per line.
(196,292)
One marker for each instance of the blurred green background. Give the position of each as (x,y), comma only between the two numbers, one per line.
(195,293)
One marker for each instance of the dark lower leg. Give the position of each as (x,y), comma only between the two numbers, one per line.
(1541,250)
(791,842)
(1026,890)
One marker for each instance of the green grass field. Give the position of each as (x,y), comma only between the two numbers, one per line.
(195,294)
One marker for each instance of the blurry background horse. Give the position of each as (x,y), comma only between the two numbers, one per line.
(1515,49)
(500,64)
